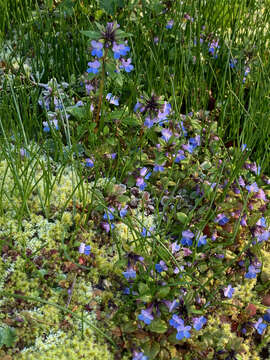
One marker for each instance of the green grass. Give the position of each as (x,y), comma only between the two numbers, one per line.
(51,187)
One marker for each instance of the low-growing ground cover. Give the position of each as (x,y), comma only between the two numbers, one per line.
(134,213)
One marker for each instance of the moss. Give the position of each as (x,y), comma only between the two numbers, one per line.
(60,346)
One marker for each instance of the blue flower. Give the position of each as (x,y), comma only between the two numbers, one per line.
(260,326)
(169,24)
(175,247)
(161,266)
(145,232)
(97,48)
(148,122)
(180,156)
(146,316)
(126,291)
(266,316)
(110,214)
(123,212)
(183,332)
(201,240)
(228,291)
(126,64)
(252,272)
(93,67)
(52,123)
(187,237)
(140,183)
(221,219)
(166,134)
(261,222)
(112,99)
(176,322)
(120,50)
(252,188)
(129,274)
(198,322)
(139,356)
(158,168)
(84,249)
(89,163)
(171,304)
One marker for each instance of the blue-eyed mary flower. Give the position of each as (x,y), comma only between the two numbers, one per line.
(146,316)
(198,322)
(126,65)
(252,272)
(228,291)
(169,24)
(84,249)
(260,326)
(176,321)
(93,67)
(252,188)
(171,305)
(130,273)
(161,266)
(166,134)
(112,99)
(89,162)
(120,50)
(221,219)
(187,237)
(97,48)
(183,332)
(139,356)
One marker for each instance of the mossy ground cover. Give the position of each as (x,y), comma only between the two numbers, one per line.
(134,180)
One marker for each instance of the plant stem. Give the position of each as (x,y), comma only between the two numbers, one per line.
(101,88)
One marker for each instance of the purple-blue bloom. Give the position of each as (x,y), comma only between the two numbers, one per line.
(146,316)
(84,249)
(187,237)
(126,64)
(158,168)
(228,291)
(148,122)
(161,266)
(139,356)
(123,212)
(198,322)
(183,332)
(179,156)
(175,247)
(266,316)
(129,274)
(176,322)
(171,304)
(201,240)
(252,272)
(112,99)
(109,214)
(166,134)
(89,163)
(169,24)
(140,183)
(260,326)
(120,50)
(97,48)
(93,67)
(221,219)
(252,188)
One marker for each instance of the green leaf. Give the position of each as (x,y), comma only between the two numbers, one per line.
(93,35)
(143,288)
(7,336)
(158,326)
(151,349)
(182,217)
(79,112)
(146,298)
(129,328)
(163,292)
